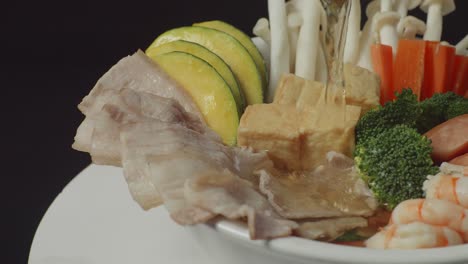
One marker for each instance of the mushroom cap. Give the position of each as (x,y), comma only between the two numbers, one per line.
(372,8)
(410,4)
(385,18)
(448,6)
(411,21)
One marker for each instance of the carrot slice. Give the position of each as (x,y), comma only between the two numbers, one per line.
(459,76)
(382,62)
(428,82)
(444,57)
(408,69)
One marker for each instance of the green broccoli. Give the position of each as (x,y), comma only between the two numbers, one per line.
(395,164)
(350,236)
(404,110)
(435,110)
(457,108)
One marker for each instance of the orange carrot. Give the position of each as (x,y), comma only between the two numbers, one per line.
(408,69)
(459,76)
(382,62)
(444,57)
(428,82)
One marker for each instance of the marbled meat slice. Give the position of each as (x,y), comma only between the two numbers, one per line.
(228,195)
(137,72)
(160,157)
(99,134)
(157,152)
(331,190)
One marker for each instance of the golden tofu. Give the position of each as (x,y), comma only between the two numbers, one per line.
(332,131)
(362,89)
(298,129)
(298,139)
(293,90)
(275,128)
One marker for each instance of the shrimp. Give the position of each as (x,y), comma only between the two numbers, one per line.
(453,169)
(412,236)
(433,212)
(450,187)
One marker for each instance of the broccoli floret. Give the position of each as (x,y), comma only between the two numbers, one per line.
(457,108)
(395,164)
(404,110)
(435,110)
(350,236)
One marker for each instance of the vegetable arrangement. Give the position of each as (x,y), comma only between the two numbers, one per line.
(403,60)
(197,99)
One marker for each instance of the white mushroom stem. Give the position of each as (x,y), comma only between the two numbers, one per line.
(308,42)
(434,21)
(436,9)
(262,30)
(279,48)
(402,6)
(371,9)
(387,29)
(462,46)
(264,49)
(294,24)
(409,27)
(352,34)
(366,36)
(321,69)
(385,25)
(386,5)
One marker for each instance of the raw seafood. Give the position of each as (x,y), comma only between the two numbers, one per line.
(434,212)
(450,186)
(414,235)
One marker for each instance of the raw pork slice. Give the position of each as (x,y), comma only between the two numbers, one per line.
(99,134)
(197,177)
(331,190)
(137,72)
(228,195)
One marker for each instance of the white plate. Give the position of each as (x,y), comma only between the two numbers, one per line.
(94,220)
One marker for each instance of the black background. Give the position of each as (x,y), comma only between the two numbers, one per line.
(52,53)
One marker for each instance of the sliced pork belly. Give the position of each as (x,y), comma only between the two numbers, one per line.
(139,73)
(180,164)
(226,194)
(99,134)
(158,157)
(331,190)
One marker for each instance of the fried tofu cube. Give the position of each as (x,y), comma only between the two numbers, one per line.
(298,129)
(362,89)
(293,90)
(332,133)
(274,128)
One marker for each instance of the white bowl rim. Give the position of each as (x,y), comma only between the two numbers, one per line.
(333,253)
